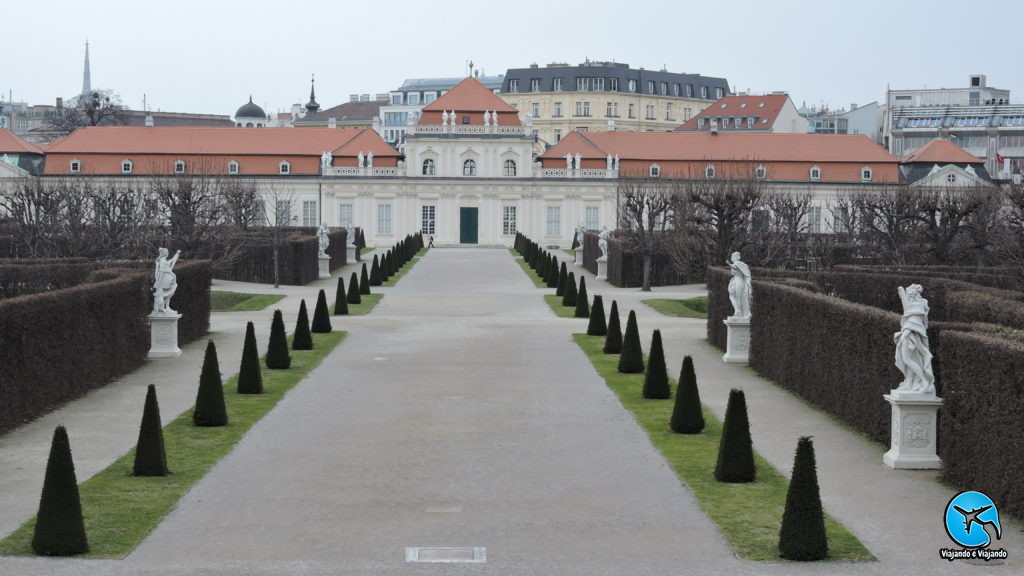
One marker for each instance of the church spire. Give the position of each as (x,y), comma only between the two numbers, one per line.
(312,107)
(86,79)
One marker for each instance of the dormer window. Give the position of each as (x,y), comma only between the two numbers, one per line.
(76,166)
(709,171)
(743,105)
(179,166)
(760,172)
(233,167)
(284,167)
(815,173)
(126,166)
(760,105)
(724,106)
(655,171)
(865,174)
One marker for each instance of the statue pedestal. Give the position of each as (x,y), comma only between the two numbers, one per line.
(914,418)
(163,335)
(325,267)
(350,254)
(737,348)
(579,256)
(602,269)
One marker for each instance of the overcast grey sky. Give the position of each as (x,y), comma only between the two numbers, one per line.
(209,55)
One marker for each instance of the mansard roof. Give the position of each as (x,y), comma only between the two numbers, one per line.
(764,109)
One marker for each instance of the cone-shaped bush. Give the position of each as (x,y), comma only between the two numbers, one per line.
(552,279)
(563,276)
(321,317)
(384,274)
(210,409)
(302,339)
(656,378)
(736,450)
(278,357)
(542,265)
(390,259)
(687,416)
(613,340)
(632,359)
(150,454)
(341,298)
(60,529)
(353,289)
(802,536)
(250,379)
(582,300)
(597,326)
(375,279)
(364,281)
(569,294)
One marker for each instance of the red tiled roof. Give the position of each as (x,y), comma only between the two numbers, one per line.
(215,141)
(11,143)
(668,146)
(940,151)
(763,107)
(469,96)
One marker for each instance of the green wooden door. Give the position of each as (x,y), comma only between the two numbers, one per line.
(468,221)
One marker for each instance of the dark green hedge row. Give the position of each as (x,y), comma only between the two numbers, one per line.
(191,299)
(1005,278)
(19,278)
(298,262)
(336,249)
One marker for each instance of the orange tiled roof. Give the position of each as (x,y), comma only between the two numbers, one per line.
(940,151)
(763,107)
(215,141)
(726,146)
(11,143)
(469,96)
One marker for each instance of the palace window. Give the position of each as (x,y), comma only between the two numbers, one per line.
(508,220)
(814,220)
(865,174)
(554,221)
(428,167)
(233,167)
(469,168)
(815,173)
(284,168)
(709,171)
(760,172)
(654,171)
(558,110)
(76,166)
(384,219)
(510,167)
(428,221)
(126,166)
(309,213)
(590,219)
(345,216)
(283,213)
(179,166)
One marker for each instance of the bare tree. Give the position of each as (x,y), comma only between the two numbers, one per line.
(644,208)
(783,230)
(277,207)
(100,107)
(953,221)
(242,206)
(889,219)
(724,208)
(125,219)
(34,207)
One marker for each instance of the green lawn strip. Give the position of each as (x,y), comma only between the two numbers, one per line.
(367,302)
(749,515)
(537,281)
(405,269)
(556,304)
(120,510)
(570,252)
(689,308)
(221,301)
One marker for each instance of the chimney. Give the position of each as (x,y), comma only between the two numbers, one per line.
(332,122)
(353,97)
(714,126)
(364,97)
(60,102)
(149,120)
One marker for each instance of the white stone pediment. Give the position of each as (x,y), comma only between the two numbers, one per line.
(950,175)
(469,153)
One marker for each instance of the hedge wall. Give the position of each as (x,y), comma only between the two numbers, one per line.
(335,249)
(19,278)
(297,259)
(719,306)
(591,251)
(191,299)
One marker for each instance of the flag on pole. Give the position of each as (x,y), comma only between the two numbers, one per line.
(999,158)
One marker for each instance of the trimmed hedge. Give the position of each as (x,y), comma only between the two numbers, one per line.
(298,256)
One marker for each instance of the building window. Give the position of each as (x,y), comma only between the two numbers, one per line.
(599,84)
(815,173)
(428,167)
(429,97)
(384,219)
(583,108)
(664,88)
(428,219)
(814,220)
(396,98)
(126,166)
(613,84)
(179,166)
(649,111)
(750,122)
(760,172)
(345,216)
(668,111)
(233,167)
(675,89)
(689,90)
(510,167)
(687,112)
(865,174)
(554,222)
(557,85)
(582,84)
(283,213)
(309,213)
(650,86)
(719,93)
(414,98)
(535,109)
(655,171)
(612,110)
(508,220)
(469,168)
(590,219)
(284,168)
(704,92)
(709,171)
(534,84)
(558,110)
(76,166)
(632,85)
(513,85)
(558,136)
(951,178)
(582,129)
(632,110)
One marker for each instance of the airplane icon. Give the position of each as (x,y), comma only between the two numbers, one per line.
(971,517)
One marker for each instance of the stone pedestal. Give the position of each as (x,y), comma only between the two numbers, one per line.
(163,335)
(602,269)
(579,256)
(914,419)
(350,254)
(737,348)
(325,267)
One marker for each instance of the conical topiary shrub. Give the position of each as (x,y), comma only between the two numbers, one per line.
(563,276)
(569,294)
(687,416)
(613,340)
(582,300)
(353,290)
(278,357)
(384,274)
(60,528)
(250,379)
(656,378)
(802,536)
(210,409)
(321,317)
(302,339)
(375,279)
(364,281)
(552,278)
(632,359)
(389,259)
(150,453)
(597,326)
(340,299)
(736,450)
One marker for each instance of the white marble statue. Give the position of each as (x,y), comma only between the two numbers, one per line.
(494,117)
(359,158)
(568,161)
(444,117)
(579,162)
(323,239)
(487,118)
(602,243)
(451,118)
(913,356)
(326,159)
(369,160)
(529,120)
(165,283)
(740,289)
(616,161)
(608,164)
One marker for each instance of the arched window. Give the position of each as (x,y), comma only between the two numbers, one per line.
(469,168)
(76,166)
(428,167)
(760,173)
(654,171)
(815,173)
(179,166)
(284,167)
(233,167)
(709,171)
(510,167)
(126,166)
(865,174)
